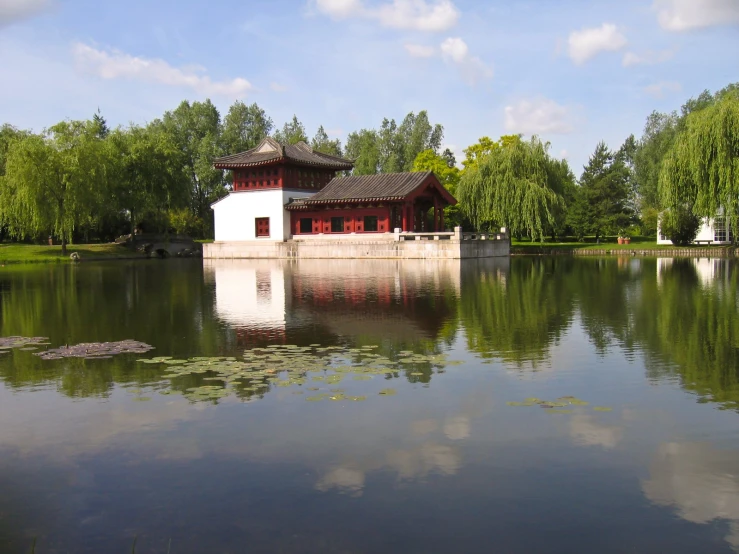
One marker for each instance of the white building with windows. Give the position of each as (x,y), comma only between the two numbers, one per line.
(712,231)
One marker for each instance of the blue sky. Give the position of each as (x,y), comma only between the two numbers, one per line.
(573,71)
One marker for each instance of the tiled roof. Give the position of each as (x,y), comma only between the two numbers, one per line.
(270,150)
(366,188)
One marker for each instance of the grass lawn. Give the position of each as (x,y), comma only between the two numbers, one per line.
(32,253)
(610,243)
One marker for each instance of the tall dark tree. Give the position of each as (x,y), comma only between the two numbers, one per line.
(449,157)
(363,148)
(291,132)
(244,127)
(100,125)
(322,143)
(196,129)
(604,193)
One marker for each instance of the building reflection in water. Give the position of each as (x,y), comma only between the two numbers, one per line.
(278,301)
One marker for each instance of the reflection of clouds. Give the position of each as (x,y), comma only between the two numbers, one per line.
(457,428)
(345,479)
(586,430)
(424,427)
(416,462)
(428,458)
(411,463)
(702,483)
(31,427)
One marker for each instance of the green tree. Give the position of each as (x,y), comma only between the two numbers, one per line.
(53,181)
(701,169)
(657,139)
(145,173)
(196,130)
(511,187)
(100,125)
(604,193)
(244,127)
(428,160)
(362,147)
(291,132)
(321,143)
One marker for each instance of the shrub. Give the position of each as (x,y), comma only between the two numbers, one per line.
(680,225)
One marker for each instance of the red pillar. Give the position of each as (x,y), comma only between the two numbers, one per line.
(436,215)
(404,210)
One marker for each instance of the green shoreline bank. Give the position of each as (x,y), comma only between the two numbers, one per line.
(35,254)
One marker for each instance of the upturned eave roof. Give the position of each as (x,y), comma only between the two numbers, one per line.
(270,151)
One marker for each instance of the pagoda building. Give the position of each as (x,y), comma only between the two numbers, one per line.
(281,191)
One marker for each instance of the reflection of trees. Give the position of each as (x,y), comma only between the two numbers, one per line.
(693,330)
(606,291)
(163,304)
(516,315)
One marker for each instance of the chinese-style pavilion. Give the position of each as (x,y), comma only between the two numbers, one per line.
(284,190)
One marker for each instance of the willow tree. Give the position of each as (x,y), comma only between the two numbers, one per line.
(701,170)
(511,187)
(53,181)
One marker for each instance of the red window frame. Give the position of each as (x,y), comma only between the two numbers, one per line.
(261,227)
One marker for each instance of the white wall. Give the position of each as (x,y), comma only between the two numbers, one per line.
(705,232)
(235,214)
(251,295)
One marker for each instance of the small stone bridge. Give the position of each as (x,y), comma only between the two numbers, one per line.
(163,246)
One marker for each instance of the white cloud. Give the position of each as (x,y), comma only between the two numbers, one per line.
(539,116)
(658,90)
(456,51)
(587,43)
(418,15)
(118,65)
(457,428)
(16,10)
(341,9)
(420,51)
(587,431)
(347,480)
(683,15)
(277,87)
(650,57)
(699,481)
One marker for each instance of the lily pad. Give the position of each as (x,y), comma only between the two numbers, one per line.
(602,409)
(388,392)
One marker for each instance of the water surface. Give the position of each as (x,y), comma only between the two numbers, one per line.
(96,452)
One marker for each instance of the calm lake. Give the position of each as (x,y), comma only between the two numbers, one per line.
(523,405)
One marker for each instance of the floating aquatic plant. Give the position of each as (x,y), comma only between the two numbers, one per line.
(323,367)
(95,350)
(8,343)
(556,406)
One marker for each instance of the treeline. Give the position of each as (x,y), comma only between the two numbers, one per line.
(81,181)
(684,167)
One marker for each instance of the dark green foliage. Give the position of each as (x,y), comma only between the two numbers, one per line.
(601,204)
(321,143)
(244,127)
(291,132)
(514,186)
(394,147)
(658,138)
(701,168)
(100,125)
(680,225)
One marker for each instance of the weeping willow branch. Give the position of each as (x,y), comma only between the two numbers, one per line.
(509,188)
(702,168)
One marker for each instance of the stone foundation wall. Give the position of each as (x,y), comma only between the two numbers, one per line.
(449,249)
